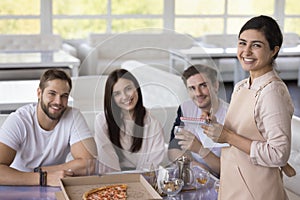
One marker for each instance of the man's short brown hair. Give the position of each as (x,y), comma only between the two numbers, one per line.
(210,72)
(53,74)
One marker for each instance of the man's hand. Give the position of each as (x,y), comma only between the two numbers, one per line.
(208,116)
(53,178)
(188,141)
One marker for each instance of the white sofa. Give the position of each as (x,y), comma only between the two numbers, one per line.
(31,43)
(292,183)
(102,53)
(88,92)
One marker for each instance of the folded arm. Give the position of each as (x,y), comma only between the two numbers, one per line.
(10,176)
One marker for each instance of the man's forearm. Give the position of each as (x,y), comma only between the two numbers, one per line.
(10,176)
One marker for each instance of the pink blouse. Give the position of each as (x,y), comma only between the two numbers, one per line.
(273,113)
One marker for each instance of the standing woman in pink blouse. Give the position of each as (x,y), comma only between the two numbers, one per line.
(258,121)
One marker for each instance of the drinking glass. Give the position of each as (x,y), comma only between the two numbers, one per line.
(202,177)
(169,183)
(171,186)
(177,129)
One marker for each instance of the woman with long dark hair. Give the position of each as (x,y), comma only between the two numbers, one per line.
(128,137)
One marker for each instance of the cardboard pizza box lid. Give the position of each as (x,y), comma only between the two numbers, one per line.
(59,195)
(138,188)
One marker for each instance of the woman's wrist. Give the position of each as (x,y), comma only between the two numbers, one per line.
(203,152)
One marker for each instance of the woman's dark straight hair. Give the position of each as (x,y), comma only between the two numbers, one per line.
(269,27)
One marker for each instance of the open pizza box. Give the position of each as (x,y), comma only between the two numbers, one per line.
(138,188)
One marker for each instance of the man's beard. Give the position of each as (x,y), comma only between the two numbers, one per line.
(45,108)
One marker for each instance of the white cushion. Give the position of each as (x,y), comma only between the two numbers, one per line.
(291,195)
(292,183)
(296,133)
(88,92)
(90,119)
(290,40)
(3,118)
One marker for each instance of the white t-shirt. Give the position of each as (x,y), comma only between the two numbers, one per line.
(151,152)
(190,109)
(37,147)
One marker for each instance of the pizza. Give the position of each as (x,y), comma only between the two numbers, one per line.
(109,192)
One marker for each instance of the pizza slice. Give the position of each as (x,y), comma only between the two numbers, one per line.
(109,192)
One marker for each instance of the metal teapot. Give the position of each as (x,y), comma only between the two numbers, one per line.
(184,170)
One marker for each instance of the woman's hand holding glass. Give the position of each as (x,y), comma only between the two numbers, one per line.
(217,132)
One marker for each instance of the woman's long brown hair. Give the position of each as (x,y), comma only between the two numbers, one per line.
(113,112)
